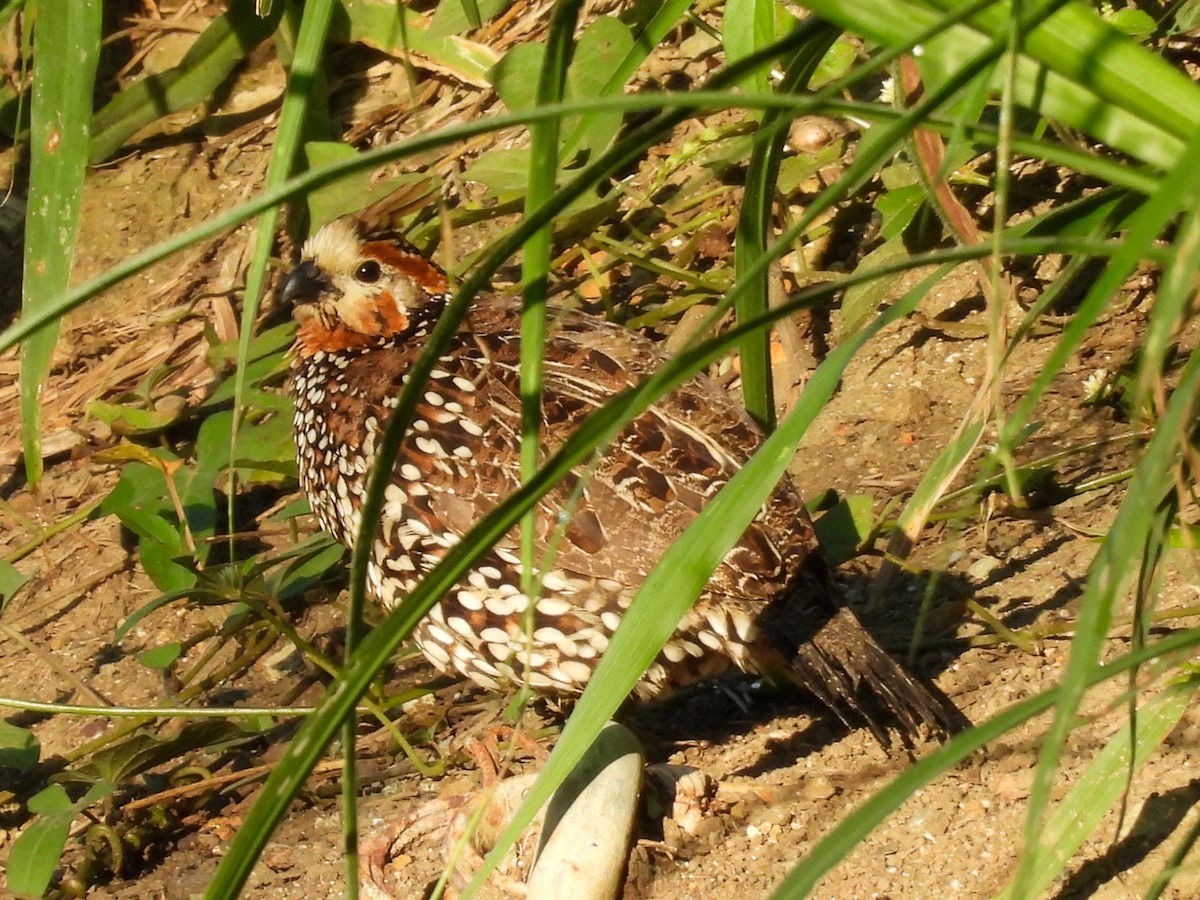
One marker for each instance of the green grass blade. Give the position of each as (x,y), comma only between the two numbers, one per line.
(1115,565)
(836,845)
(758,201)
(543,166)
(471,11)
(1140,180)
(226,41)
(61,111)
(1071,95)
(1079,45)
(1080,812)
(303,75)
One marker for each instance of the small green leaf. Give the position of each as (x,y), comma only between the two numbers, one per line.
(898,208)
(836,63)
(603,44)
(161,657)
(861,301)
(11,579)
(338,197)
(50,800)
(516,75)
(320,557)
(155,604)
(35,853)
(390,26)
(1133,22)
(126,420)
(142,750)
(749,25)
(843,528)
(164,568)
(503,171)
(18,747)
(796,169)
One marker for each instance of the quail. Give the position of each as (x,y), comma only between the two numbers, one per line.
(365,303)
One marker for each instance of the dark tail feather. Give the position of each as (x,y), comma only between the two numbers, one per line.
(842,659)
(843,666)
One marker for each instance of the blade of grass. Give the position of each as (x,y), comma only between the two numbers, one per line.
(543,164)
(1113,567)
(1078,44)
(835,846)
(1080,812)
(305,66)
(61,111)
(762,172)
(1142,181)
(1066,96)
(222,45)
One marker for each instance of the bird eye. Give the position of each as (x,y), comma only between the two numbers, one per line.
(368,272)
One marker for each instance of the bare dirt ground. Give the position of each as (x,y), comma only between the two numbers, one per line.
(786,771)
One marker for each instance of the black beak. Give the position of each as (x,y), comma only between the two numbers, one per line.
(304,284)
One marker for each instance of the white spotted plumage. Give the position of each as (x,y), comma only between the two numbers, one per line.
(366,307)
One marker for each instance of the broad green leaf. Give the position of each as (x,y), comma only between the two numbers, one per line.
(392,27)
(1132,22)
(59,134)
(19,748)
(451,17)
(11,579)
(165,568)
(897,208)
(225,43)
(338,197)
(747,26)
(843,528)
(35,853)
(504,171)
(127,420)
(601,47)
(161,657)
(795,170)
(860,302)
(834,64)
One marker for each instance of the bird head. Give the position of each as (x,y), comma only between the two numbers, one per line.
(351,289)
